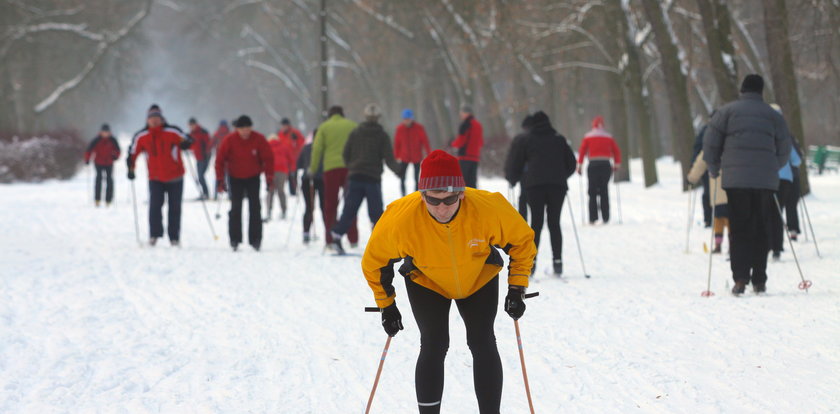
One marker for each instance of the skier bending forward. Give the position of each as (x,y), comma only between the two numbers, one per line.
(447,237)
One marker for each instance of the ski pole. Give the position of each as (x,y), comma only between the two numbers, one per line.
(203,203)
(580,185)
(136,224)
(292,217)
(577,240)
(708,292)
(381,363)
(811,226)
(692,199)
(522,356)
(618,199)
(87,184)
(802,214)
(218,208)
(805,284)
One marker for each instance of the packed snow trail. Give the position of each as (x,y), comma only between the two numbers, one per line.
(90,322)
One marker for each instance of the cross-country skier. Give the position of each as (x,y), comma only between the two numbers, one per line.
(699,170)
(746,143)
(448,238)
(468,145)
(104,150)
(550,162)
(162,144)
(245,154)
(600,147)
(284,164)
(202,150)
(411,145)
(513,179)
(310,184)
(296,140)
(366,149)
(327,152)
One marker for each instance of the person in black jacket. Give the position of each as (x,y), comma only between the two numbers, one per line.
(310,185)
(516,142)
(550,162)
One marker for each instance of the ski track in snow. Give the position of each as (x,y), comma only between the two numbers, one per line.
(90,322)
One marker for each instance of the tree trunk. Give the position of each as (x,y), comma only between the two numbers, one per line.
(675,84)
(637,96)
(716,20)
(784,78)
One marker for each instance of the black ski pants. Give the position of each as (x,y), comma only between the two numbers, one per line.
(470,171)
(404,170)
(791,203)
(307,186)
(547,200)
(173,191)
(239,189)
(107,171)
(706,201)
(750,212)
(522,204)
(777,235)
(431,311)
(599,173)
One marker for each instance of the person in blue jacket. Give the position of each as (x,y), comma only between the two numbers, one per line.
(785,192)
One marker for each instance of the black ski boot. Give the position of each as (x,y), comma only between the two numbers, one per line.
(759,288)
(739,288)
(558,267)
(337,247)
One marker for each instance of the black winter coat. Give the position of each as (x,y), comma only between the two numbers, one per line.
(549,158)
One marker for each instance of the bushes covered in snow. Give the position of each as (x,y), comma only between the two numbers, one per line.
(37,157)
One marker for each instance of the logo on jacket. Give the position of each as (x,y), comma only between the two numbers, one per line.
(475,243)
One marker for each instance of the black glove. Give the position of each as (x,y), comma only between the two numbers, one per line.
(514,303)
(186,144)
(130,174)
(391,319)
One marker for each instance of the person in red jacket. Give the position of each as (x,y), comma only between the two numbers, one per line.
(104,150)
(296,141)
(245,154)
(284,162)
(411,145)
(600,147)
(162,144)
(221,132)
(201,149)
(468,145)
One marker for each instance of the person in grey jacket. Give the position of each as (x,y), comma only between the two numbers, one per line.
(367,147)
(746,143)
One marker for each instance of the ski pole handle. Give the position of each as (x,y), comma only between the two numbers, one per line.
(530,295)
(372,309)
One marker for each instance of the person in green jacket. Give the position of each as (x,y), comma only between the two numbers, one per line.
(328,149)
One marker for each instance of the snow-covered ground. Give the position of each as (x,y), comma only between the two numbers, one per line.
(92,323)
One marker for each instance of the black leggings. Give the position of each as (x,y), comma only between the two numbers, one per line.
(599,172)
(548,199)
(431,311)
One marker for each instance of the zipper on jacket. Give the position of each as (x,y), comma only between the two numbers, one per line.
(454,262)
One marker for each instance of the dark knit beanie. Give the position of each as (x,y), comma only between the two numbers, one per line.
(154,110)
(752,83)
(243,121)
(105,127)
(192,121)
(285,121)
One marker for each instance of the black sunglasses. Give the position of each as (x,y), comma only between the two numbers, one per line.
(446,200)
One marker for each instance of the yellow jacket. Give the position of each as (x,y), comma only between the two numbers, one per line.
(453,259)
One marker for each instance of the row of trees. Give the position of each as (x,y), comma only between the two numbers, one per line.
(654,69)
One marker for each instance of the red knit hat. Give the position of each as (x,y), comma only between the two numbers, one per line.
(441,171)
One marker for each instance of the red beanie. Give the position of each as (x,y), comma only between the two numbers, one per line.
(441,171)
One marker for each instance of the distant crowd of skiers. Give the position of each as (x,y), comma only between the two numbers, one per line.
(448,234)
